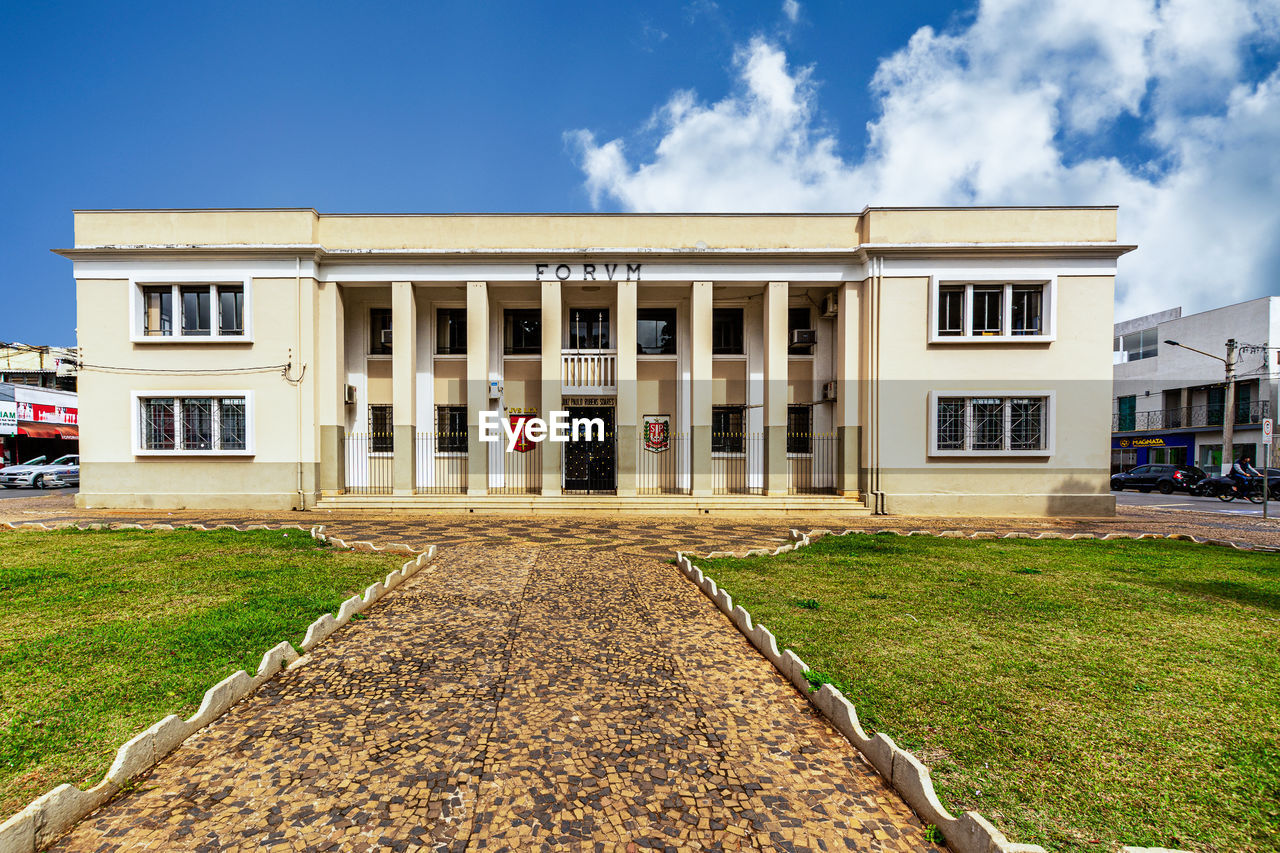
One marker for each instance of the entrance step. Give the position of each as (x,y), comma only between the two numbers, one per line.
(720,505)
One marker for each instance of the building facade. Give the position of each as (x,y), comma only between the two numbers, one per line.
(1170,401)
(933,361)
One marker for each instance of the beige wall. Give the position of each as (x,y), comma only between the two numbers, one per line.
(989,225)
(451,382)
(729,382)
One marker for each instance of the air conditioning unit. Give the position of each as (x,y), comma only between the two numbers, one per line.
(830,306)
(828,391)
(803,337)
(386,337)
(349,395)
(495,390)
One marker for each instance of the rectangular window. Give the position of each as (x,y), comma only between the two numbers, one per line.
(951,310)
(451,331)
(726,331)
(798,318)
(1136,346)
(988,311)
(588,328)
(727,425)
(203,310)
(1028,316)
(1126,413)
(379,331)
(451,429)
(991,424)
(157,310)
(230,310)
(800,429)
(381,437)
(185,424)
(522,331)
(656,331)
(196,311)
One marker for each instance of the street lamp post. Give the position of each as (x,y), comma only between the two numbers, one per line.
(1229,399)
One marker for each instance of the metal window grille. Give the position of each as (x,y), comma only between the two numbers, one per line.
(451,429)
(197,423)
(1026,423)
(988,423)
(799,429)
(158,424)
(727,429)
(231,423)
(992,423)
(951,427)
(659,466)
(381,438)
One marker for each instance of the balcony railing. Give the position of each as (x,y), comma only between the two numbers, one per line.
(589,372)
(1190,417)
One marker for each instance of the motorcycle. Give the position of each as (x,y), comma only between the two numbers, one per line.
(1227,489)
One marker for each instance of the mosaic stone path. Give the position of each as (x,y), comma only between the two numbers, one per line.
(551,688)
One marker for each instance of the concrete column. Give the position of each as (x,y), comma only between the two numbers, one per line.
(551,382)
(477,385)
(848,372)
(775,388)
(627,417)
(331,380)
(700,380)
(404,386)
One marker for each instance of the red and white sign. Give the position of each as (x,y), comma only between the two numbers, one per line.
(42,413)
(1266,430)
(523,444)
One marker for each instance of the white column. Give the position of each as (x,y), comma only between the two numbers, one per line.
(404,385)
(848,373)
(775,388)
(331,380)
(477,385)
(700,380)
(551,382)
(627,428)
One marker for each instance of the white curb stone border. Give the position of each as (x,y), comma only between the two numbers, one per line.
(51,815)
(971,832)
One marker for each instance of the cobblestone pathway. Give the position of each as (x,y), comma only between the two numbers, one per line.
(556,687)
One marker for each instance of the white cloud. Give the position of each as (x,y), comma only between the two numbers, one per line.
(993,113)
(791,9)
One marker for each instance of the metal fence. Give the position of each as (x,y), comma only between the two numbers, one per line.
(663,469)
(521,471)
(1190,417)
(368,460)
(737,464)
(441,463)
(811,464)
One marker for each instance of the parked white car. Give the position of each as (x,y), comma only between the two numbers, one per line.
(39,473)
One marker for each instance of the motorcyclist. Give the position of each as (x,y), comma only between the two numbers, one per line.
(1243,473)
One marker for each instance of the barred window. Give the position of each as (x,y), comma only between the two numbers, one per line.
(188,424)
(800,429)
(727,425)
(381,438)
(451,429)
(991,424)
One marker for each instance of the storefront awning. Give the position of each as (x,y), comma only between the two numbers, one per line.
(33,430)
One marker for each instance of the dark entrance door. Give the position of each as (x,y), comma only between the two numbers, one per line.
(590,465)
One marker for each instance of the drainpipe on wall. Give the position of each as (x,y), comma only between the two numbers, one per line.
(297,280)
(877,493)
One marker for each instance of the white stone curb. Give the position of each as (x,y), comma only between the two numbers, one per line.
(969,833)
(52,814)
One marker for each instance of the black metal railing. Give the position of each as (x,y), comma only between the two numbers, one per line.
(1190,417)
(737,464)
(442,463)
(661,467)
(368,461)
(811,464)
(521,470)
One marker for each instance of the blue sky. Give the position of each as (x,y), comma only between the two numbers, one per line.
(504,106)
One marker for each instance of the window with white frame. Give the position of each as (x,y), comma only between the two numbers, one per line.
(991,424)
(193,310)
(193,424)
(984,310)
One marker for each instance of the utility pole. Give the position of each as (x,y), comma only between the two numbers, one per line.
(1229,416)
(1229,400)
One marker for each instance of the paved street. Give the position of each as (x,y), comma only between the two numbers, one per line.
(29,493)
(1183,501)
(542,685)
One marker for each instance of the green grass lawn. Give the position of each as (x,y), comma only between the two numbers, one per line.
(104,633)
(1079,694)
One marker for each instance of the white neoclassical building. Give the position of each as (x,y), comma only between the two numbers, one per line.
(912,360)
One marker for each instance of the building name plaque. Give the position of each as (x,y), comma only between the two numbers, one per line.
(586,272)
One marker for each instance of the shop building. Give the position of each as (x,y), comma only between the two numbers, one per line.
(915,360)
(36,421)
(1170,402)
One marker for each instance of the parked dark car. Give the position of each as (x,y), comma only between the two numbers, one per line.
(1166,478)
